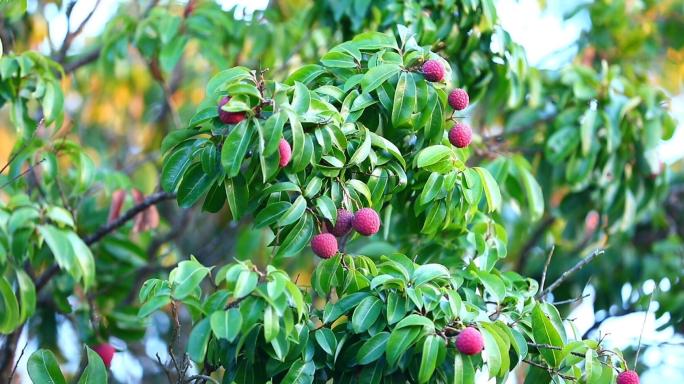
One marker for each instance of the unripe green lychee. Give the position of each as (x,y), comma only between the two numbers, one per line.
(229,117)
(470,341)
(459,99)
(366,221)
(628,377)
(343,224)
(460,135)
(324,245)
(285,153)
(106,352)
(433,70)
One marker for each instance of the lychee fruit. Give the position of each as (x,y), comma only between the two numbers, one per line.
(458,99)
(285,153)
(343,224)
(469,341)
(366,221)
(433,70)
(229,117)
(628,377)
(106,352)
(591,222)
(324,245)
(460,135)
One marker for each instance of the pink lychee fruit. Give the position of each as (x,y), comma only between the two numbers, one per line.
(343,224)
(285,153)
(433,70)
(459,99)
(106,352)
(460,135)
(366,221)
(628,377)
(469,341)
(591,222)
(324,245)
(229,117)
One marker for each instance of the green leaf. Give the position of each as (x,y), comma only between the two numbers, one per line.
(372,348)
(366,313)
(333,311)
(59,244)
(587,129)
(428,360)
(186,277)
(95,372)
(301,99)
(300,372)
(493,285)
(327,208)
(226,324)
(535,196)
(194,185)
(237,195)
(327,340)
(544,332)
(417,320)
(60,215)
(235,148)
(492,352)
(491,189)
(9,307)
(27,295)
(400,340)
(428,272)
(84,258)
(293,213)
(219,80)
(378,75)
(298,237)
(433,155)
(464,373)
(43,367)
(174,168)
(271,213)
(198,341)
(337,59)
(362,151)
(246,283)
(404,100)
(154,304)
(271,324)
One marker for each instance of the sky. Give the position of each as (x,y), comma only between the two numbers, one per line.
(548,40)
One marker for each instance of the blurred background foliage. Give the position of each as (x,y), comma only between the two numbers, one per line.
(590,133)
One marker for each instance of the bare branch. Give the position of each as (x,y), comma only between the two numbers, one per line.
(546,268)
(570,271)
(550,370)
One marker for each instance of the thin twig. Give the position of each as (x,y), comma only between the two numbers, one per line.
(19,176)
(546,268)
(643,325)
(550,370)
(16,364)
(570,301)
(570,271)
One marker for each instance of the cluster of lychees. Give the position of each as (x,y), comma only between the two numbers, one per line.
(460,134)
(365,221)
(284,149)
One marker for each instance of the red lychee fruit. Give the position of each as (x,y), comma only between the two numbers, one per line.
(628,377)
(591,222)
(106,352)
(459,99)
(460,135)
(366,221)
(433,70)
(343,224)
(229,117)
(285,153)
(324,245)
(470,341)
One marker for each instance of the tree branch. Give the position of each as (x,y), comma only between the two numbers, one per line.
(550,370)
(570,271)
(533,240)
(150,200)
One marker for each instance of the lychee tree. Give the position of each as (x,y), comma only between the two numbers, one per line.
(368,127)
